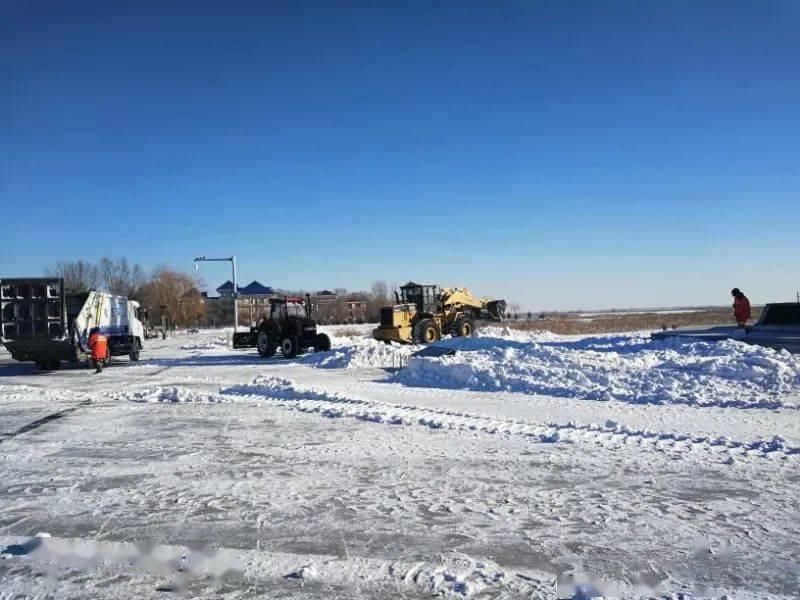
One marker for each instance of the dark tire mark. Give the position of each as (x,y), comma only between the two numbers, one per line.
(39,422)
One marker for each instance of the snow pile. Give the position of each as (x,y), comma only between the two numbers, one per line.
(629,368)
(169,394)
(217,342)
(359,352)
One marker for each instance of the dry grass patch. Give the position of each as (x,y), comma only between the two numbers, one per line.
(347,332)
(569,324)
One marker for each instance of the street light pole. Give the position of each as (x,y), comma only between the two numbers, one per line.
(232,260)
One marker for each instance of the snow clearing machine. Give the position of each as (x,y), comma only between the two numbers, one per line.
(423,313)
(290,327)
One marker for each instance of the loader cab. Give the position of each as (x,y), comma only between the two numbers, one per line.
(424,297)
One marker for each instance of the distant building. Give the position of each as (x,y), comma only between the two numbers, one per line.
(253,299)
(330,309)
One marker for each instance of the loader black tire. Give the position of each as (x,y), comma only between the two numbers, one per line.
(289,347)
(266,344)
(137,347)
(464,327)
(322,343)
(426,331)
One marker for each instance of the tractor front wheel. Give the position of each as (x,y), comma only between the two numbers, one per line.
(265,345)
(426,331)
(289,347)
(322,343)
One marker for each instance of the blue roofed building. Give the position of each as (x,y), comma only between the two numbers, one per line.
(253,299)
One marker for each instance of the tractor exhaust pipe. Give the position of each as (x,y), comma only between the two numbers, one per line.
(308,305)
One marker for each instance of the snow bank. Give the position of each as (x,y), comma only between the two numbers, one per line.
(629,368)
(217,342)
(169,394)
(359,352)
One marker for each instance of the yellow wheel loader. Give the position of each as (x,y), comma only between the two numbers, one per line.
(423,313)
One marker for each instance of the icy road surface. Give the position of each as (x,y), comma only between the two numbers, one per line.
(525,466)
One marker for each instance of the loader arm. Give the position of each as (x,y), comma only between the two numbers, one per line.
(454,299)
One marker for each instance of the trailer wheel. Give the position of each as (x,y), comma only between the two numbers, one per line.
(54,365)
(289,347)
(322,343)
(41,365)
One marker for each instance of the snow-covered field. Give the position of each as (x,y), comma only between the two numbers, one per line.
(524,466)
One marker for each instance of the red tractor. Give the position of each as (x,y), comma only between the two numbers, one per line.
(289,327)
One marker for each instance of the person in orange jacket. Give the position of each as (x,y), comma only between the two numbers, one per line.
(98,344)
(741,307)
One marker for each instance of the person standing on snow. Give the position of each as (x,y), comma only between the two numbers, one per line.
(98,344)
(741,307)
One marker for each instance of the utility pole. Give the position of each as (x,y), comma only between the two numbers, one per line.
(232,260)
(163,322)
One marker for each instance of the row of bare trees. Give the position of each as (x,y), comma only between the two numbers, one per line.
(165,291)
(175,295)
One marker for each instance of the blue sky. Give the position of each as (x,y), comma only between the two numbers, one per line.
(559,154)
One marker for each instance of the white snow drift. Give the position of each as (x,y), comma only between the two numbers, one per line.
(629,368)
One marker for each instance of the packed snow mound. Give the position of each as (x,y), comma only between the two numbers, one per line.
(629,368)
(217,342)
(169,394)
(359,352)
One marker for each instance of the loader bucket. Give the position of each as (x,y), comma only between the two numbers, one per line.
(496,309)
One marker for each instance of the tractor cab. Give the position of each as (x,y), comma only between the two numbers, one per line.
(290,327)
(281,309)
(424,297)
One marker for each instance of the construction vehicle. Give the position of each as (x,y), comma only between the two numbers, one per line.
(423,313)
(40,322)
(290,327)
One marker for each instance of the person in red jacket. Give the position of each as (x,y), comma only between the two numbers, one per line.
(98,344)
(741,307)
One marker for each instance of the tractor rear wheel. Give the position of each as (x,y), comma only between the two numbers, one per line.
(289,347)
(426,331)
(322,343)
(464,327)
(265,344)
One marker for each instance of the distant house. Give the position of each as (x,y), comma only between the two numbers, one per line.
(226,290)
(253,299)
(330,308)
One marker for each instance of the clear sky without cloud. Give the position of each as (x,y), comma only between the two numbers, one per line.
(559,154)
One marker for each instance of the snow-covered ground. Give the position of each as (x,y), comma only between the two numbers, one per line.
(527,465)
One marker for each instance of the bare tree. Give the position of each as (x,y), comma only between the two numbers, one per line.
(380,291)
(120,278)
(174,295)
(78,275)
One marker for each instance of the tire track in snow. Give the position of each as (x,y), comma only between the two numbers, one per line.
(288,394)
